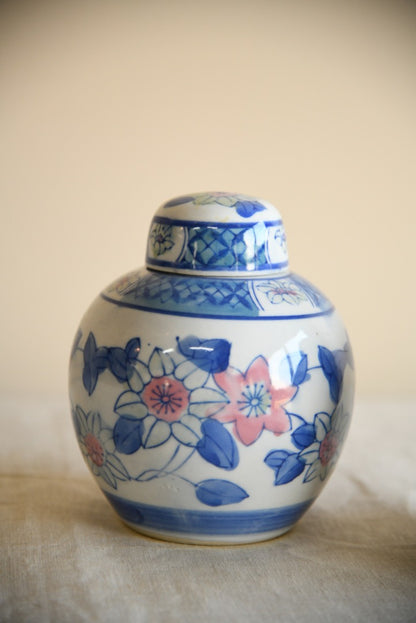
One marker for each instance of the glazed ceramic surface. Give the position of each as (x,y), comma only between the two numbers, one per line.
(212,390)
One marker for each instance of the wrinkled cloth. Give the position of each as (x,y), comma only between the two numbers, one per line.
(66,557)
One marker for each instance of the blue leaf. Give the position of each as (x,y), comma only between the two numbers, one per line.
(178,201)
(289,470)
(327,360)
(331,371)
(118,362)
(95,362)
(208,355)
(299,375)
(294,368)
(247,208)
(343,357)
(286,465)
(133,349)
(89,378)
(217,446)
(101,359)
(216,492)
(275,458)
(303,436)
(90,347)
(127,434)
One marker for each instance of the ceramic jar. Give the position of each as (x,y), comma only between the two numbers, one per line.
(212,391)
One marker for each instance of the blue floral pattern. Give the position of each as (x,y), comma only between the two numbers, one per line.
(161,237)
(244,206)
(280,237)
(190,398)
(282,291)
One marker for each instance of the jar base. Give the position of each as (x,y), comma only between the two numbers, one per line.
(207,527)
(206,539)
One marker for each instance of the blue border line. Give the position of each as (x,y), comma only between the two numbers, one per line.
(207,522)
(165,220)
(156,310)
(214,268)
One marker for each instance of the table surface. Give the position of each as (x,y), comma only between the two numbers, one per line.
(67,557)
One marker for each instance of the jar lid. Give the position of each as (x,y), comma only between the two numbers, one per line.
(217,233)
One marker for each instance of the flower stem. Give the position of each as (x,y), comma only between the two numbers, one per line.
(163,471)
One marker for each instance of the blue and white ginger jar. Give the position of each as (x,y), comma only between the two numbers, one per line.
(212,391)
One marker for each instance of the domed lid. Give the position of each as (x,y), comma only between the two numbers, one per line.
(217,234)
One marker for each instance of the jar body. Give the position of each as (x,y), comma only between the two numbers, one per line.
(201,421)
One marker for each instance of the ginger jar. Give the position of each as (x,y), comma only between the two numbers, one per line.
(211,391)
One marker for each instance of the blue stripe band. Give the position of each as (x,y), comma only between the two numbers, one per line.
(163,220)
(207,522)
(216,267)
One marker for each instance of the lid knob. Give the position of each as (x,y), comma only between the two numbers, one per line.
(217,233)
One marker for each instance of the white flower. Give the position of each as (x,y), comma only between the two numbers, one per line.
(323,453)
(282,291)
(97,446)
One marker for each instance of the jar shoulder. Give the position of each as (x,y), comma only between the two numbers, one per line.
(283,296)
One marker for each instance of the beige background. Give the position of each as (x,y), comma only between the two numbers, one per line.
(107,109)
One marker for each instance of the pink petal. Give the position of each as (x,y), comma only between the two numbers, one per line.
(230,381)
(258,372)
(228,414)
(278,422)
(248,429)
(281,396)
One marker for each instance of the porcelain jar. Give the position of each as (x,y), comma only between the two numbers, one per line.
(212,390)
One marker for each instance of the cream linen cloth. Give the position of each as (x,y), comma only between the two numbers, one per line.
(66,557)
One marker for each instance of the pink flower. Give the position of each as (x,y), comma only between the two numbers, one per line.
(94,449)
(328,448)
(166,398)
(254,404)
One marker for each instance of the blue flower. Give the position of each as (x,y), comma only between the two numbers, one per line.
(161,238)
(280,237)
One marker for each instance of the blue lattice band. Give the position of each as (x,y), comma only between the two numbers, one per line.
(208,297)
(207,246)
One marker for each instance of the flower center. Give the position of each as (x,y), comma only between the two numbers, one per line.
(255,400)
(328,448)
(283,291)
(94,449)
(166,398)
